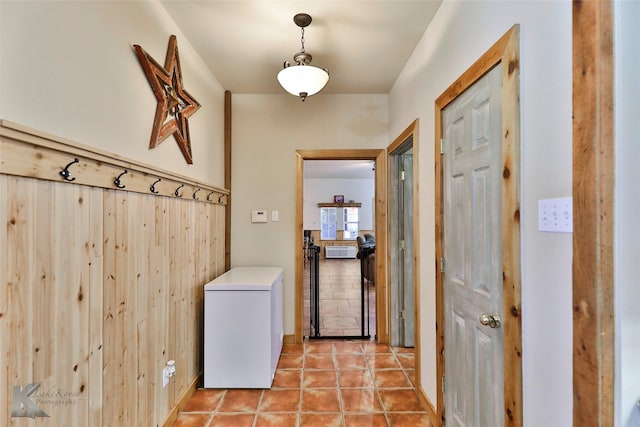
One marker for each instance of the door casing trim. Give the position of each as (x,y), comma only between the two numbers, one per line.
(411,131)
(379,157)
(593,265)
(505,51)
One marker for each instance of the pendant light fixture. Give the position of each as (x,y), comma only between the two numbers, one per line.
(302,79)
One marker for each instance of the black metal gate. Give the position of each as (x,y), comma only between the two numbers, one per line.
(314,283)
(314,311)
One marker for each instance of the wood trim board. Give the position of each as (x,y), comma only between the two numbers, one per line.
(593,220)
(182,402)
(228,152)
(30,153)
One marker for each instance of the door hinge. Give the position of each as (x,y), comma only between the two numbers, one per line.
(401,175)
(401,314)
(442,264)
(441,145)
(401,245)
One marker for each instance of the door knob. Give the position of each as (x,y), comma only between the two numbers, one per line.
(491,320)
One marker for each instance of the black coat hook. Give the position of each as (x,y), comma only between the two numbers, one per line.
(117,180)
(176,192)
(194,194)
(65,172)
(153,186)
(220,198)
(209,196)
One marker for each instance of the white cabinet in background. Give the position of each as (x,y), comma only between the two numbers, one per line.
(243,328)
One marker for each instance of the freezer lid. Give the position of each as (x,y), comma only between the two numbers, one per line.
(245,278)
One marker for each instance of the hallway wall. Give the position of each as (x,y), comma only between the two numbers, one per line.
(267,129)
(627,249)
(68,68)
(100,287)
(322,190)
(460,33)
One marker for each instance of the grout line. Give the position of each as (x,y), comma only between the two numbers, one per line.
(338,389)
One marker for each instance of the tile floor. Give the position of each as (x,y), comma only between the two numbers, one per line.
(340,299)
(320,383)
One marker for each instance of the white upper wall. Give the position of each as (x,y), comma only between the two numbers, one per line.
(627,249)
(267,130)
(460,33)
(322,191)
(68,68)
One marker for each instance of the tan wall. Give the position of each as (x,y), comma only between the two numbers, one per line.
(98,289)
(68,68)
(267,131)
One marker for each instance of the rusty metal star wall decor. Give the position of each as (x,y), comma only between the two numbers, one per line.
(175,105)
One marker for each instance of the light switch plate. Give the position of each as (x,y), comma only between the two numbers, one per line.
(258,216)
(555,215)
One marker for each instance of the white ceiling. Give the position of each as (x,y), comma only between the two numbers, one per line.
(364,44)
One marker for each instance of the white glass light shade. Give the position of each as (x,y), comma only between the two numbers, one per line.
(300,79)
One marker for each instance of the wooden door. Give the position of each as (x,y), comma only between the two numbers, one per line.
(474,362)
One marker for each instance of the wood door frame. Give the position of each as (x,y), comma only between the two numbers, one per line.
(379,157)
(410,131)
(505,51)
(227,178)
(594,207)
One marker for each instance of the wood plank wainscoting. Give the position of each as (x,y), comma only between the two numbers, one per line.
(100,286)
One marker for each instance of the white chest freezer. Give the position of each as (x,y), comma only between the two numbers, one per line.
(243,328)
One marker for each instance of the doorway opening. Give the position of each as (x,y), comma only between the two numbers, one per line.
(403,243)
(347,265)
(339,241)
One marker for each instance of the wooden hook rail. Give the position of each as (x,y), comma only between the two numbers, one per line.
(29,153)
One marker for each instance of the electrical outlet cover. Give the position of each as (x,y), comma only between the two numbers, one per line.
(165,377)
